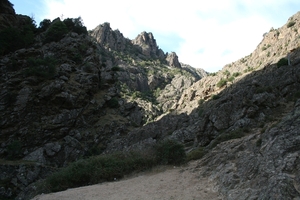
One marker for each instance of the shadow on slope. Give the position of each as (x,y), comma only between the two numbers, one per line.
(260,97)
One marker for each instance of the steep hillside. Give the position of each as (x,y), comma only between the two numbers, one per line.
(69,93)
(276,44)
(256,104)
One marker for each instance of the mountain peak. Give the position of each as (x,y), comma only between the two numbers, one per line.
(148,45)
(105,36)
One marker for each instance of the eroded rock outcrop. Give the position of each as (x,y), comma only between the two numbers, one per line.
(148,45)
(8,17)
(260,166)
(105,36)
(172,60)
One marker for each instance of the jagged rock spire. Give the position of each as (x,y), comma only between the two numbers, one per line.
(148,45)
(172,60)
(105,36)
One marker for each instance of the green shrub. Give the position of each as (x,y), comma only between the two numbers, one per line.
(170,152)
(263,48)
(12,39)
(226,73)
(156,92)
(102,168)
(75,25)
(94,150)
(76,57)
(215,96)
(41,67)
(44,25)
(236,74)
(282,62)
(196,154)
(222,82)
(76,54)
(56,31)
(290,24)
(113,103)
(98,169)
(249,69)
(231,79)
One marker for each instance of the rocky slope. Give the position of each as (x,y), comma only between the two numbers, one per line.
(70,98)
(258,104)
(82,95)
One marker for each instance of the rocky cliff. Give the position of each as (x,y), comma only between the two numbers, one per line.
(79,95)
(69,95)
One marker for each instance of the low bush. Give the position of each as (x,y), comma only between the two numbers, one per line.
(196,154)
(282,62)
(75,25)
(215,97)
(44,25)
(41,67)
(170,152)
(231,79)
(226,73)
(12,39)
(236,74)
(56,31)
(113,103)
(222,82)
(290,24)
(98,169)
(249,69)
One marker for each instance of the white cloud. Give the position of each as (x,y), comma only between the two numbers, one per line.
(206,34)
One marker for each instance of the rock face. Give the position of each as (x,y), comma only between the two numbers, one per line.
(99,93)
(172,60)
(259,166)
(72,98)
(105,36)
(148,45)
(8,16)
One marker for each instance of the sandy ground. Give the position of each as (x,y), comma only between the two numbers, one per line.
(161,183)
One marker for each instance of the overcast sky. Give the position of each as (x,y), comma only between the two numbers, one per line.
(205,34)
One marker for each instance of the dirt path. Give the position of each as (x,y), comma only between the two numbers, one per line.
(161,183)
